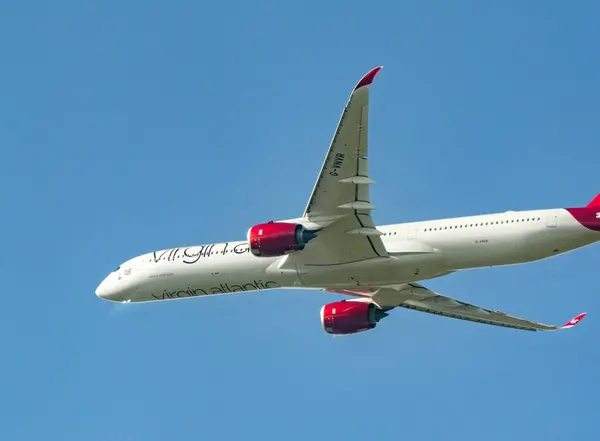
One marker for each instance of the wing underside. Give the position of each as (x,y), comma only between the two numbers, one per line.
(417,297)
(341,195)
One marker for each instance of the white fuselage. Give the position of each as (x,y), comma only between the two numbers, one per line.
(418,250)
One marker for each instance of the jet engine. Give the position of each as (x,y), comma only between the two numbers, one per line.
(349,317)
(278,238)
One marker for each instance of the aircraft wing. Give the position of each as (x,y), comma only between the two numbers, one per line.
(415,296)
(341,193)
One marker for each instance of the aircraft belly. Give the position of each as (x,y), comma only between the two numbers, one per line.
(383,272)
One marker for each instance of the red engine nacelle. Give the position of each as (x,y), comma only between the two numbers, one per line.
(350,317)
(277,238)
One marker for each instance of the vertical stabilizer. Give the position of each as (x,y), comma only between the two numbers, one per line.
(595,202)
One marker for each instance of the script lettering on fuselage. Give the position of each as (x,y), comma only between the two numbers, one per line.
(223,288)
(338,161)
(191,255)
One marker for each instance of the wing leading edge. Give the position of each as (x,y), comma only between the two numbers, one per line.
(417,297)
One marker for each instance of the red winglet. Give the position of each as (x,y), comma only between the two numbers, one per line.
(574,321)
(368,78)
(595,202)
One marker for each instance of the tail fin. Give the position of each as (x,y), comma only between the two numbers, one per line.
(595,202)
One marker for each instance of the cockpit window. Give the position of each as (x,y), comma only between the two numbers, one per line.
(118,268)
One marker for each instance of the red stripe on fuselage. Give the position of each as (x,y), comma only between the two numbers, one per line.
(588,216)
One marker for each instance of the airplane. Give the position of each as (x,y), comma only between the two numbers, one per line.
(336,247)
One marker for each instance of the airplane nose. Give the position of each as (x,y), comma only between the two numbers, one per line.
(101,291)
(114,289)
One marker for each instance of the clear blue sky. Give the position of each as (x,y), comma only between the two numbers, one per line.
(131,126)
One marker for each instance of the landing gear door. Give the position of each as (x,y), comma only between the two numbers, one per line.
(552,220)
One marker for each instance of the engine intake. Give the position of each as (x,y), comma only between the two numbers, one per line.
(349,317)
(278,238)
